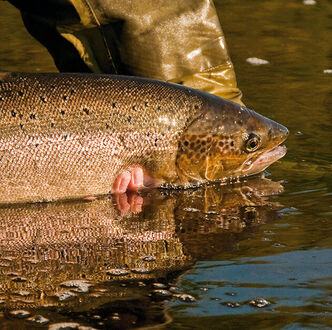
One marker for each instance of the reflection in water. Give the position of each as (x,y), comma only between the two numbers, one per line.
(286,261)
(106,256)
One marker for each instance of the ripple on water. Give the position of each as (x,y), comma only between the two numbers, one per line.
(285,279)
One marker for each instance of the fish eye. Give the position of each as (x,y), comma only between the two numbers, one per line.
(252,143)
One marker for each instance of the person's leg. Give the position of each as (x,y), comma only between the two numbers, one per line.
(173,40)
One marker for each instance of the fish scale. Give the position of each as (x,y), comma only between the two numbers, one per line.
(66,136)
(69,135)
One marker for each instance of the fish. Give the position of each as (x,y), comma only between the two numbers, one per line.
(68,136)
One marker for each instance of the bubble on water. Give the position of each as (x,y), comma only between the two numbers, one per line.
(140,271)
(162,293)
(298,133)
(190,209)
(328,71)
(65,295)
(117,272)
(278,245)
(232,294)
(185,297)
(159,285)
(64,325)
(309,2)
(233,304)
(79,285)
(20,314)
(257,61)
(39,319)
(259,302)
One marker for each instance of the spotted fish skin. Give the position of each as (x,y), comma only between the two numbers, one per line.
(67,136)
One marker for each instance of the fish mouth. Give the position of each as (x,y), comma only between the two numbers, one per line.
(264,160)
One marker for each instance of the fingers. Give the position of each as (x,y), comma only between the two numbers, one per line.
(128,202)
(136,202)
(134,179)
(121,183)
(137,179)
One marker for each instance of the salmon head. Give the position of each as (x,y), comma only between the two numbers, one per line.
(228,141)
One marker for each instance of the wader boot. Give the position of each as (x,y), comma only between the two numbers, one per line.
(174,40)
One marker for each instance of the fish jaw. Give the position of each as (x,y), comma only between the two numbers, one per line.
(274,135)
(264,160)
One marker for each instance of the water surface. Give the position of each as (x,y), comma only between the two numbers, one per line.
(224,246)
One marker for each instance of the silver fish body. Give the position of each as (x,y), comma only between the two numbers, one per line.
(68,136)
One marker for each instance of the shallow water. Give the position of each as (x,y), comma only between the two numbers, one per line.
(220,245)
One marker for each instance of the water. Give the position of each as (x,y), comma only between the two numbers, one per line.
(221,245)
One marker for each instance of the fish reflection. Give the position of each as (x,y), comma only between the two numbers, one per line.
(62,254)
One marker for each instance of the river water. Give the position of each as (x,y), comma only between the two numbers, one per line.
(198,259)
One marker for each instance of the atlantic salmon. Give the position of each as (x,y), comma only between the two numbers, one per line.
(65,136)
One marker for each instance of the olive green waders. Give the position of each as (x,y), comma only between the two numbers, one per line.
(174,40)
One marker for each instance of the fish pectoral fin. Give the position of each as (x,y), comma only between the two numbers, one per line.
(212,169)
(184,175)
